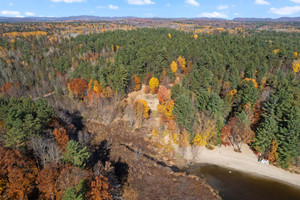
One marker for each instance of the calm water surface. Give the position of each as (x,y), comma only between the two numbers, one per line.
(240,186)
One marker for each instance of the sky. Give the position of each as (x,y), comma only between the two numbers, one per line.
(228,9)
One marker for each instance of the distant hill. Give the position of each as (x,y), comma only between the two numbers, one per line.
(282,19)
(60,19)
(97,18)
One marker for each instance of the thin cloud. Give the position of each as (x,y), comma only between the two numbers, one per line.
(101,7)
(222,7)
(213,15)
(140,2)
(295,1)
(68,1)
(10,12)
(112,7)
(29,14)
(262,2)
(287,10)
(11,4)
(192,2)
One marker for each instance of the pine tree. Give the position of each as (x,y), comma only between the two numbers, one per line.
(76,155)
(185,114)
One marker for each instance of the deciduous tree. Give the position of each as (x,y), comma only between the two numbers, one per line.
(100,189)
(153,85)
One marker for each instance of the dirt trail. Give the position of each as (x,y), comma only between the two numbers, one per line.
(246,162)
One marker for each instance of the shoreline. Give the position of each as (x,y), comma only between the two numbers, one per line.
(245,162)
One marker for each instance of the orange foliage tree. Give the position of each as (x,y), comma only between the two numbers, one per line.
(20,171)
(137,82)
(61,137)
(46,181)
(100,189)
(90,84)
(78,87)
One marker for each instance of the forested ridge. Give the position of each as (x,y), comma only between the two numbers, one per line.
(212,89)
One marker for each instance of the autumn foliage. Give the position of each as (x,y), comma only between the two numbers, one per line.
(153,85)
(174,67)
(61,137)
(163,94)
(100,189)
(20,171)
(137,82)
(46,181)
(97,87)
(296,66)
(78,87)
(182,63)
(235,132)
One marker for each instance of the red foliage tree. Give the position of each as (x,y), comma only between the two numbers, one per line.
(164,94)
(236,132)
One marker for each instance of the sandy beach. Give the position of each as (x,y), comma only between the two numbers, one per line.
(245,162)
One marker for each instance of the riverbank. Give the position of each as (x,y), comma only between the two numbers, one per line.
(246,161)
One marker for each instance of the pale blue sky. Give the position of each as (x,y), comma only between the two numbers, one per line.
(151,8)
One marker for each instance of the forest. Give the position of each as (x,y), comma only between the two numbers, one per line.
(212,89)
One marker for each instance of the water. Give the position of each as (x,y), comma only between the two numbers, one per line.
(234,185)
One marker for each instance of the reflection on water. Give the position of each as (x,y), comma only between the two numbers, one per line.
(234,185)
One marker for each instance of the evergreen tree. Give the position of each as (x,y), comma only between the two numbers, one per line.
(76,155)
(185,113)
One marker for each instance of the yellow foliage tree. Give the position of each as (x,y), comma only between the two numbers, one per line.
(231,95)
(182,62)
(184,139)
(296,66)
(146,109)
(141,108)
(206,130)
(153,85)
(97,88)
(170,36)
(295,54)
(276,51)
(174,67)
(166,110)
(195,36)
(200,140)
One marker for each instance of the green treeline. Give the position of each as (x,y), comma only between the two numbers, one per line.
(245,84)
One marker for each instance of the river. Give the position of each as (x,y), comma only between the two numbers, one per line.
(235,185)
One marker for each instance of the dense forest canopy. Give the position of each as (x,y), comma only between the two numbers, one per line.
(212,89)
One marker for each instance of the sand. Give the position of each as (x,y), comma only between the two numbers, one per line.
(246,162)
